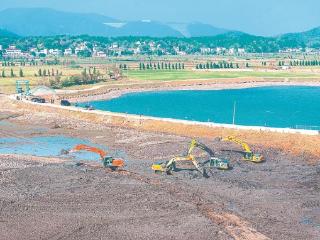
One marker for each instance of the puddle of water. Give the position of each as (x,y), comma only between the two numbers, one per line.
(310,221)
(51,146)
(5,123)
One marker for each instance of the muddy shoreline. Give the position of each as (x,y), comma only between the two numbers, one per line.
(44,199)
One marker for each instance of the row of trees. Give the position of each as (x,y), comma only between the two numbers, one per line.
(12,74)
(123,66)
(305,63)
(300,63)
(212,65)
(161,66)
(48,73)
(30,63)
(87,76)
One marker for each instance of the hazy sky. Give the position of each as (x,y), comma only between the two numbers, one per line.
(268,17)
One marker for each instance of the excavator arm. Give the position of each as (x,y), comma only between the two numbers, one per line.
(195,144)
(107,161)
(213,162)
(82,147)
(248,154)
(244,145)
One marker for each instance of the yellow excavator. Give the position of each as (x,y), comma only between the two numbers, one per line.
(213,162)
(248,154)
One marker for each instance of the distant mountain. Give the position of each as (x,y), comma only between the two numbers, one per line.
(49,22)
(146,28)
(45,22)
(309,38)
(204,30)
(7,34)
(197,29)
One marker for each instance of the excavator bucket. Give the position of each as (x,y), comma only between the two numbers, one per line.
(157,168)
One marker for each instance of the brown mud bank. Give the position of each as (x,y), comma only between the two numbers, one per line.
(294,143)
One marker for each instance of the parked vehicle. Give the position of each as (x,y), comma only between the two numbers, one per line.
(38,100)
(65,103)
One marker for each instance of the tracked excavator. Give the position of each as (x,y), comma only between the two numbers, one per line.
(213,162)
(107,161)
(248,154)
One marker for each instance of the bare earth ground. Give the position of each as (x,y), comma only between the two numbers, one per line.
(51,199)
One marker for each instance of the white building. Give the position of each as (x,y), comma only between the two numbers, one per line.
(101,54)
(44,51)
(67,52)
(13,52)
(35,50)
(220,50)
(241,51)
(0,47)
(81,47)
(231,51)
(55,52)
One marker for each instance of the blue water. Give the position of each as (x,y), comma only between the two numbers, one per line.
(285,107)
(50,146)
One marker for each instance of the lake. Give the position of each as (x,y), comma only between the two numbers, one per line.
(281,107)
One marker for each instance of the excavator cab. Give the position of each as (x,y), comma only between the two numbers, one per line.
(253,157)
(219,164)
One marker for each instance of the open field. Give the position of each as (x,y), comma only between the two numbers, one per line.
(187,74)
(278,199)
(7,84)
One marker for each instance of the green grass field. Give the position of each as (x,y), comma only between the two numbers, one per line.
(187,74)
(7,84)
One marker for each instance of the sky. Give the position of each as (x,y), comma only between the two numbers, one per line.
(259,17)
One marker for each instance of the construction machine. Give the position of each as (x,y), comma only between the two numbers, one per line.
(248,154)
(213,162)
(107,161)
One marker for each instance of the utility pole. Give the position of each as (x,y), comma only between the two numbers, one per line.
(234,113)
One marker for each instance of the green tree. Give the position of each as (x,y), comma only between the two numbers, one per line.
(3,74)
(21,73)
(11,73)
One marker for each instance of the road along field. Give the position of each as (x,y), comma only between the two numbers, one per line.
(56,199)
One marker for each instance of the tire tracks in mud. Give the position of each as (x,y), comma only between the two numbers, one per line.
(233,225)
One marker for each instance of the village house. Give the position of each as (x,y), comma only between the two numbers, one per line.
(13,52)
(67,52)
